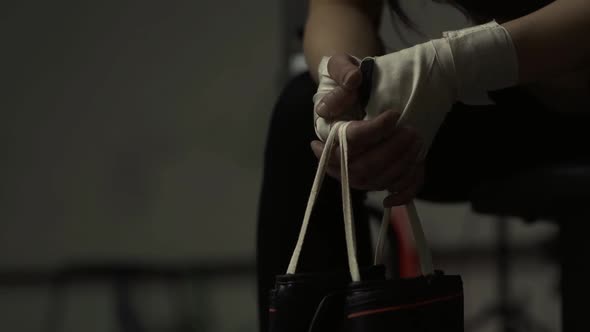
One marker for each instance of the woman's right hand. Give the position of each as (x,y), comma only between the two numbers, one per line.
(382,156)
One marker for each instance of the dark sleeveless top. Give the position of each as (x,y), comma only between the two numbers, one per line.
(506,9)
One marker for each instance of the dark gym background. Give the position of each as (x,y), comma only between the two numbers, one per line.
(132,138)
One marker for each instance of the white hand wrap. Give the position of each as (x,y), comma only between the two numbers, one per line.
(326,85)
(423,82)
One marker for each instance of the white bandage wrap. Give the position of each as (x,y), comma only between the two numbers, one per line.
(419,82)
(423,82)
(485,59)
(325,85)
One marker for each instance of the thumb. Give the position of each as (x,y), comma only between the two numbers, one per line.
(345,73)
(344,69)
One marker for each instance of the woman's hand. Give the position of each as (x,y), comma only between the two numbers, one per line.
(424,81)
(382,156)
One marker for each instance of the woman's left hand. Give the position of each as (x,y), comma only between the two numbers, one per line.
(381,157)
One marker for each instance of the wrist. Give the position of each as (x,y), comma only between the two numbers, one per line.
(484,59)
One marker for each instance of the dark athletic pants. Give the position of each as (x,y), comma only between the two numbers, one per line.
(472,146)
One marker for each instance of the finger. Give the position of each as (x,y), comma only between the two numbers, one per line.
(407,179)
(334,171)
(373,180)
(364,134)
(384,162)
(333,164)
(396,168)
(318,148)
(345,71)
(364,166)
(337,103)
(407,194)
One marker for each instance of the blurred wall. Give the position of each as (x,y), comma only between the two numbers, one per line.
(130,129)
(133,128)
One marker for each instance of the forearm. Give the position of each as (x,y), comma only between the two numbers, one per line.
(553,40)
(335,28)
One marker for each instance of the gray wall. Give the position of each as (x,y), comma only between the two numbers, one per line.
(130,129)
(133,128)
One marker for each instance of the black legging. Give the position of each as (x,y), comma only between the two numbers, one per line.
(472,146)
(289,169)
